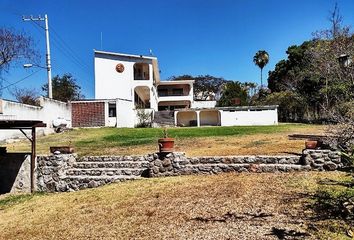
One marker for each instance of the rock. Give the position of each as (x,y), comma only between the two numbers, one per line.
(319,161)
(166,162)
(92,184)
(330,166)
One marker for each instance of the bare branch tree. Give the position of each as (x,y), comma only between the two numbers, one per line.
(26,96)
(15,46)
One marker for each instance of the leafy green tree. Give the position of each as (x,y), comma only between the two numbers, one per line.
(261,59)
(234,94)
(65,88)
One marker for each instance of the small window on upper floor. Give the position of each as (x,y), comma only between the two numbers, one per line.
(141,71)
(112,110)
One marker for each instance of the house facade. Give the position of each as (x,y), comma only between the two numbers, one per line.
(126,85)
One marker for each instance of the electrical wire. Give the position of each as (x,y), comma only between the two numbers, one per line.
(14,83)
(64,50)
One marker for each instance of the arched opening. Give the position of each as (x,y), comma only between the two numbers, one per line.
(141,71)
(209,118)
(186,119)
(142,97)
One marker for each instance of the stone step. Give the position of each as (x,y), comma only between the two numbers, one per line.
(111,159)
(82,182)
(247,159)
(111,164)
(105,171)
(267,167)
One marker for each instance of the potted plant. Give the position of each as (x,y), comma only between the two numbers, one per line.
(62,149)
(311,144)
(166,144)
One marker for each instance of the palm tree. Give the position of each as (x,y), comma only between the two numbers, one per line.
(261,59)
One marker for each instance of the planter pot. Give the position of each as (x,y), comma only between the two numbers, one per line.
(166,145)
(311,144)
(62,149)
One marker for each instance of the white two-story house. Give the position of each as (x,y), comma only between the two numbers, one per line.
(126,84)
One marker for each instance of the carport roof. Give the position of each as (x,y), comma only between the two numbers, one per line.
(21,124)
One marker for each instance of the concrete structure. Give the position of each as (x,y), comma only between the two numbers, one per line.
(126,84)
(48,111)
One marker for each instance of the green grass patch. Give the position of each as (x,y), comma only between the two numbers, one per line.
(140,136)
(17,199)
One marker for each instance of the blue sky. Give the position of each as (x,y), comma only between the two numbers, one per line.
(218,37)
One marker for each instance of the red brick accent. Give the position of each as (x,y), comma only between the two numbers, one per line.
(87,114)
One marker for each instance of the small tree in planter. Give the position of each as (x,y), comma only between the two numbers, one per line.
(166,144)
(144,117)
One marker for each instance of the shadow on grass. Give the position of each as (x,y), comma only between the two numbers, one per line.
(281,233)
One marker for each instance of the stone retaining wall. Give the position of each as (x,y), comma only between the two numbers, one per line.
(322,159)
(174,164)
(68,172)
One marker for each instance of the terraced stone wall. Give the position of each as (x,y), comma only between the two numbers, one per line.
(68,172)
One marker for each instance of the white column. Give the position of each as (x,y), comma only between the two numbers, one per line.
(198,118)
(106,113)
(175,115)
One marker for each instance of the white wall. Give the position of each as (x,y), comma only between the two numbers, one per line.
(248,118)
(125,114)
(109,84)
(203,104)
(48,111)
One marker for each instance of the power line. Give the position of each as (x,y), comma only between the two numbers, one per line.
(14,83)
(69,48)
(64,50)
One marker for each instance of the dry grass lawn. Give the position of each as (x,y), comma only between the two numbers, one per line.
(225,206)
(245,140)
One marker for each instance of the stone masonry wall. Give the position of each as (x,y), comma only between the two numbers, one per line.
(68,172)
(175,164)
(322,159)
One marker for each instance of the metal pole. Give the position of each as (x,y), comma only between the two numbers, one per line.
(49,66)
(48,63)
(33,158)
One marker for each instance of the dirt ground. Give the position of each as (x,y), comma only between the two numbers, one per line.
(225,206)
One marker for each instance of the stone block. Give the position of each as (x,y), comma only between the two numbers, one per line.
(330,166)
(166,162)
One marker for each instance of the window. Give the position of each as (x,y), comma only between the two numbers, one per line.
(112,110)
(177,91)
(162,92)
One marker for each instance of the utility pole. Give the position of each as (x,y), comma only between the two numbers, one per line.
(48,63)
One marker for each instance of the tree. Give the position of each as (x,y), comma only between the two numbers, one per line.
(234,94)
(65,88)
(261,59)
(206,87)
(26,96)
(332,47)
(14,47)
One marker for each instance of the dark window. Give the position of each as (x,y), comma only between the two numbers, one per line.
(177,92)
(162,92)
(112,110)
